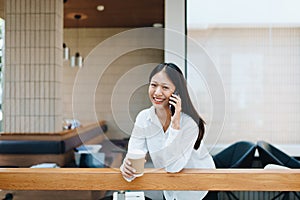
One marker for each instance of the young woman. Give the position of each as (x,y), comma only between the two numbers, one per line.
(173,139)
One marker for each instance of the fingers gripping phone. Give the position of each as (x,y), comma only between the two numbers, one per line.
(172,108)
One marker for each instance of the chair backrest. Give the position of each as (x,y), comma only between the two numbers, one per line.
(237,155)
(269,154)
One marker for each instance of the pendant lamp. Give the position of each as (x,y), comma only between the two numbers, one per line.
(77,60)
(66,52)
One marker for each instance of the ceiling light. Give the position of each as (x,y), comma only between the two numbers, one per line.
(66,52)
(157,25)
(77,59)
(72,15)
(100,7)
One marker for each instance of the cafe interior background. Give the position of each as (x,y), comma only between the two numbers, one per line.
(254,47)
(241,60)
(250,48)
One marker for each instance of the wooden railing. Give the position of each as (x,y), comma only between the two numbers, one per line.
(153,179)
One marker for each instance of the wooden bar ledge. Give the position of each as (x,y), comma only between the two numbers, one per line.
(153,179)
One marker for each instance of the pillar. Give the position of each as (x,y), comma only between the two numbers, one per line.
(32,100)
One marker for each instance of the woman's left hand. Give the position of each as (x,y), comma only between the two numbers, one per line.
(175,100)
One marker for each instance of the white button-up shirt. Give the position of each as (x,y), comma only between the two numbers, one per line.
(172,150)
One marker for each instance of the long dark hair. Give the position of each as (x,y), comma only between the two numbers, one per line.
(177,78)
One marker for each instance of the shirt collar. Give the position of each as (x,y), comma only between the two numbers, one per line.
(152,117)
(152,114)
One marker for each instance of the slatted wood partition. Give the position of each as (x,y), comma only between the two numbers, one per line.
(188,179)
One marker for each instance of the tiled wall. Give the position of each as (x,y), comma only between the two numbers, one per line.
(260,70)
(97,97)
(33,68)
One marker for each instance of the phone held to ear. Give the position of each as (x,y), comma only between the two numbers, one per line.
(172,108)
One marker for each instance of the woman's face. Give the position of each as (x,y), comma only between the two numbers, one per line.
(160,89)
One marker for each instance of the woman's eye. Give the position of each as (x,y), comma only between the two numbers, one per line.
(153,85)
(165,88)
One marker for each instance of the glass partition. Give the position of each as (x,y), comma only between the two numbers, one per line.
(254,48)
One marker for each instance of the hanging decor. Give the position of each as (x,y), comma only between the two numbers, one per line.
(77,60)
(66,52)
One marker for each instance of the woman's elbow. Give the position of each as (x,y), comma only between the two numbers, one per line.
(173,169)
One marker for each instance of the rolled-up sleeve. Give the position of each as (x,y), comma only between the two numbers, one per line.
(137,139)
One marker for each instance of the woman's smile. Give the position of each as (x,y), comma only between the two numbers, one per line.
(158,100)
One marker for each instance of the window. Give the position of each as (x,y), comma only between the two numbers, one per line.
(254,46)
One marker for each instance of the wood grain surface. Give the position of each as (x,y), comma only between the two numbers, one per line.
(153,179)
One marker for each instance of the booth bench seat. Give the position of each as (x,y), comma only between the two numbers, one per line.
(24,150)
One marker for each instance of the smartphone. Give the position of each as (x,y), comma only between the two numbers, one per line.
(172,108)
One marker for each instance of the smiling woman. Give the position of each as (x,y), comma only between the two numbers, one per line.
(174,142)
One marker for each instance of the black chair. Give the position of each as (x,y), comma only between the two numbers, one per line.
(269,154)
(8,196)
(211,195)
(237,155)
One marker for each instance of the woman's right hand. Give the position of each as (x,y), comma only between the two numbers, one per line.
(127,170)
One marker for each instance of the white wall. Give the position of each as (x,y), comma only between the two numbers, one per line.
(111,85)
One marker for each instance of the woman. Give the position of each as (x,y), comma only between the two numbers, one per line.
(173,141)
